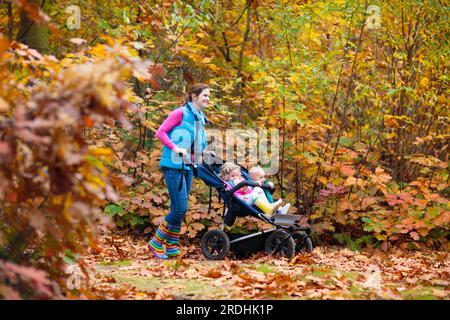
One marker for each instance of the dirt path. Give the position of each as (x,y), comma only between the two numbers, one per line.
(123,268)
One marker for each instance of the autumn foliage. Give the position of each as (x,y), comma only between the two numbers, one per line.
(362,111)
(52,182)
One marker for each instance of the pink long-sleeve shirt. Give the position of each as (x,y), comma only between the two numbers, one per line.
(174,119)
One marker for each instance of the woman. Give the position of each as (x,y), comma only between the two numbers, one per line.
(182,133)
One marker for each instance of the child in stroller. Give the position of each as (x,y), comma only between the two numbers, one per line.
(231,174)
(287,237)
(258,175)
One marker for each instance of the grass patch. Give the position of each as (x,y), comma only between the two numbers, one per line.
(118,263)
(181,288)
(264,268)
(351,275)
(424,293)
(321,272)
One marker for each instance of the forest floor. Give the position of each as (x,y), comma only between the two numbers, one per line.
(123,268)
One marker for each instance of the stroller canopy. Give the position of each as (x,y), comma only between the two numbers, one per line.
(210,175)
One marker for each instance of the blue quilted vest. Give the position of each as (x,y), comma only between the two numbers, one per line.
(189,135)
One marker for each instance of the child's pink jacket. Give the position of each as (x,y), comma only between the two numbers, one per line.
(239,192)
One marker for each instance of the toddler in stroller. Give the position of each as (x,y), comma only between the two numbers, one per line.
(258,175)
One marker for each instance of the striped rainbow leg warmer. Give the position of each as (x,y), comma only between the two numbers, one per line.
(172,240)
(156,244)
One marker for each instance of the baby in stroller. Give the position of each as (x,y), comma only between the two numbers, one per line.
(230,173)
(258,175)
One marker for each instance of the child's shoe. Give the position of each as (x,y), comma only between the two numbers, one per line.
(276,206)
(284,209)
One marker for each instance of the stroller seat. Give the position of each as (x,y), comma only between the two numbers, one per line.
(287,237)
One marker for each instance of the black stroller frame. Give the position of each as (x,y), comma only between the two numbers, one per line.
(286,237)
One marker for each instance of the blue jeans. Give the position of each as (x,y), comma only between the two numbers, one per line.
(178,199)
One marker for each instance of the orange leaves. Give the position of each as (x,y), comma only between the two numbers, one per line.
(4,45)
(391,121)
(194,228)
(385,209)
(48,168)
(213,273)
(328,272)
(302,259)
(380,179)
(155,72)
(348,171)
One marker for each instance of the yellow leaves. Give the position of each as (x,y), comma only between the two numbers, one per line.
(381,237)
(443,99)
(427,161)
(397,121)
(206,60)
(213,67)
(68,201)
(323,179)
(100,151)
(311,37)
(424,82)
(99,51)
(294,78)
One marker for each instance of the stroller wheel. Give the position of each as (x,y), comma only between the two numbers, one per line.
(215,245)
(282,242)
(303,243)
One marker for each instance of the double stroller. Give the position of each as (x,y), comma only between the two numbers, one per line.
(286,237)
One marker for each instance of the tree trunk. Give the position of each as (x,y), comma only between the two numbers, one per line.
(10,21)
(30,33)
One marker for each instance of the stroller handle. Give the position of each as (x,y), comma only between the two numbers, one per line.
(246,183)
(186,160)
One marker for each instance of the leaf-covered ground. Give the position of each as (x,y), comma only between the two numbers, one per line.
(123,268)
